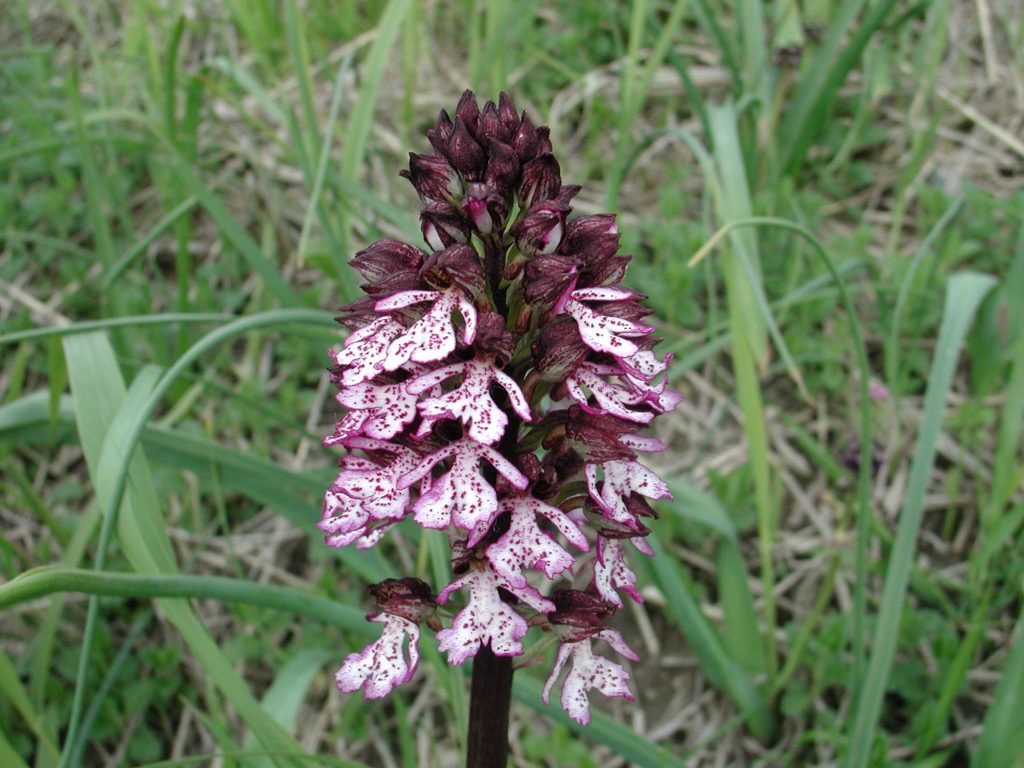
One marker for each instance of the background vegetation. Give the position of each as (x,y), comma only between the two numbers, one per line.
(839,578)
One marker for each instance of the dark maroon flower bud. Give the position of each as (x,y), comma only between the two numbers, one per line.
(468,112)
(492,338)
(596,436)
(438,136)
(502,168)
(559,349)
(543,140)
(567,193)
(465,153)
(566,462)
(546,279)
(491,128)
(541,181)
(432,177)
(525,140)
(540,230)
(529,465)
(409,598)
(358,313)
(630,309)
(455,265)
(442,225)
(508,113)
(485,208)
(607,271)
(578,615)
(399,280)
(589,234)
(547,485)
(386,257)
(612,529)
(638,506)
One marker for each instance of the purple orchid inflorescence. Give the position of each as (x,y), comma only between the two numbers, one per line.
(494,386)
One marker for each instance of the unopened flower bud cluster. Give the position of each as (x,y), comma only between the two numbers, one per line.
(495,385)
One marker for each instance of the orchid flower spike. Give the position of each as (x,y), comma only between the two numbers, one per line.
(495,383)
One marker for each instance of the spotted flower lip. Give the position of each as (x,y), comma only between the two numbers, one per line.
(461,496)
(470,401)
(604,333)
(497,386)
(589,672)
(525,545)
(432,337)
(366,351)
(382,665)
(487,618)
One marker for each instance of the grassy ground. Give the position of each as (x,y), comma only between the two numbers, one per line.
(189,178)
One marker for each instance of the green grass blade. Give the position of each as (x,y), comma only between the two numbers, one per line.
(1002,736)
(603,729)
(739,624)
(49,580)
(824,76)
(357,132)
(99,695)
(893,347)
(695,505)
(964,293)
(131,321)
(859,364)
(298,50)
(11,688)
(707,646)
(105,416)
(232,230)
(286,694)
(314,207)
(168,220)
(9,755)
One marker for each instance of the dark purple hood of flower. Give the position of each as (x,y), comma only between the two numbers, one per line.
(496,386)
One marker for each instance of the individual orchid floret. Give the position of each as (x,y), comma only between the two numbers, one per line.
(621,479)
(547,278)
(442,226)
(486,619)
(375,410)
(525,545)
(604,333)
(610,397)
(542,180)
(432,337)
(365,493)
(540,231)
(611,572)
(382,665)
(470,401)
(433,179)
(462,496)
(366,351)
(588,672)
(385,258)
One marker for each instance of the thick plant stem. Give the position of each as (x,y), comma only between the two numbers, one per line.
(490,699)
